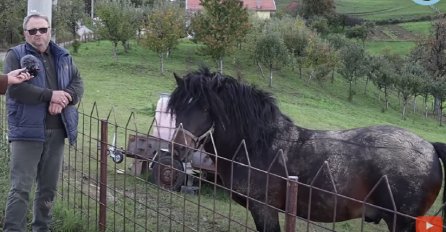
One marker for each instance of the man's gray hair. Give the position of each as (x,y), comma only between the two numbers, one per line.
(34,15)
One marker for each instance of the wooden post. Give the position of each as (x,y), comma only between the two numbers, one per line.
(103,177)
(291,204)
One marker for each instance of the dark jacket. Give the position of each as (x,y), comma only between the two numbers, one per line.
(26,117)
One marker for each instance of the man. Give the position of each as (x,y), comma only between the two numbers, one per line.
(14,77)
(41,114)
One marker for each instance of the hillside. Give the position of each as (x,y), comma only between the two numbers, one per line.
(380,9)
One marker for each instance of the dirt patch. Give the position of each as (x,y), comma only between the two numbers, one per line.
(392,32)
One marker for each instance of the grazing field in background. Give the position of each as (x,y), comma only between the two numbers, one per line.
(133,84)
(386,9)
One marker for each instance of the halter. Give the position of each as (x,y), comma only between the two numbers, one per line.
(198,140)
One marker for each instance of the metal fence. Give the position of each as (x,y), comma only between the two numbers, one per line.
(147,193)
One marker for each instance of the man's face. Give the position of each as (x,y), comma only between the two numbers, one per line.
(35,33)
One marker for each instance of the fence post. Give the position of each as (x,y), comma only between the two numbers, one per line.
(291,204)
(103,176)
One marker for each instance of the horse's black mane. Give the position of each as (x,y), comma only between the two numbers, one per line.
(249,111)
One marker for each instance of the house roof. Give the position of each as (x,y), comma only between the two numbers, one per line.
(257,5)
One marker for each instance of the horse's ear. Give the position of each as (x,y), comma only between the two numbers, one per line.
(178,79)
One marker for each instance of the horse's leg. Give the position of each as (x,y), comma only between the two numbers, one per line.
(266,218)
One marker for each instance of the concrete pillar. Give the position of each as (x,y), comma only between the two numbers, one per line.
(41,6)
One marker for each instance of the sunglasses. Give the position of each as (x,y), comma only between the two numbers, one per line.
(42,30)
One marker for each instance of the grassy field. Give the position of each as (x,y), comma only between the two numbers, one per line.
(132,83)
(380,9)
(386,9)
(421,28)
(397,47)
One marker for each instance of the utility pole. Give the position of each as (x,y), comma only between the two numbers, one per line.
(44,7)
(92,9)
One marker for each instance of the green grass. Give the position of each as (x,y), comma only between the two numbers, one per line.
(420,28)
(132,83)
(386,9)
(397,47)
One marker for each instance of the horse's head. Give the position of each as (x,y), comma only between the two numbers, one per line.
(194,111)
(206,103)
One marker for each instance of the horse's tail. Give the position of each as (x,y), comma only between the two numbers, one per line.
(440,148)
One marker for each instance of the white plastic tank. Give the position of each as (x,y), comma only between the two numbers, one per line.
(164,123)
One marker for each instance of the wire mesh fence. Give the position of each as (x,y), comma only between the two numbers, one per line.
(118,178)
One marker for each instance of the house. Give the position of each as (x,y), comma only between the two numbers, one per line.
(262,8)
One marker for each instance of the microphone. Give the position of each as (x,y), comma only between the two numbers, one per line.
(30,62)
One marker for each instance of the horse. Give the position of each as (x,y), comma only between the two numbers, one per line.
(210,104)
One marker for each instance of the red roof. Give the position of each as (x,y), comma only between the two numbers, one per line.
(257,5)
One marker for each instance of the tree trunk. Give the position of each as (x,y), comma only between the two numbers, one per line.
(300,71)
(115,48)
(403,114)
(350,91)
(261,70)
(270,75)
(437,106)
(161,55)
(220,64)
(414,104)
(366,84)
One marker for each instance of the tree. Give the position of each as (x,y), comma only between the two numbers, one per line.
(320,58)
(164,27)
(382,73)
(360,32)
(11,18)
(220,27)
(68,15)
(438,89)
(295,36)
(312,8)
(351,65)
(272,52)
(408,82)
(432,55)
(118,22)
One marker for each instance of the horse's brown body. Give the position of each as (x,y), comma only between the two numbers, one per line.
(354,161)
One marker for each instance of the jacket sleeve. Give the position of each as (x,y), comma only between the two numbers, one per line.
(3,83)
(24,92)
(76,86)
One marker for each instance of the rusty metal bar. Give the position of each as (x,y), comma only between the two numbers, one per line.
(291,204)
(103,176)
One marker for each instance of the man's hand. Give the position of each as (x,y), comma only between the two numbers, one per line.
(18,76)
(61,97)
(55,108)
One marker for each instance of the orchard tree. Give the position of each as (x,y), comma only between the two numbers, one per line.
(383,76)
(118,22)
(432,55)
(11,18)
(295,35)
(352,65)
(408,82)
(164,27)
(312,8)
(68,15)
(320,58)
(271,51)
(220,26)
